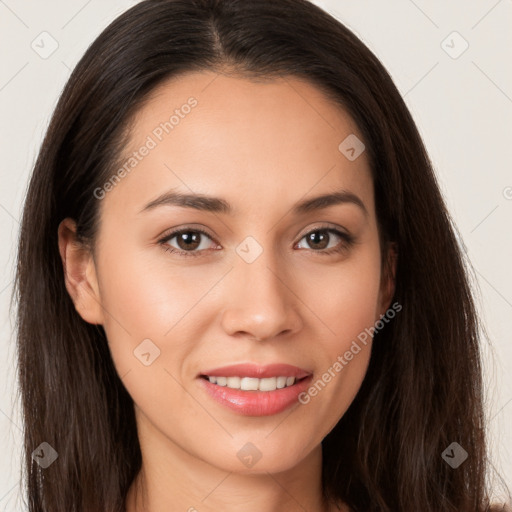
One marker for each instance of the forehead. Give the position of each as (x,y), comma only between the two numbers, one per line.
(254,142)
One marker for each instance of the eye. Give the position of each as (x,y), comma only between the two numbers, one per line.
(191,242)
(320,240)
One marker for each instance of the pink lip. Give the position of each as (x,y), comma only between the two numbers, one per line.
(260,372)
(257,403)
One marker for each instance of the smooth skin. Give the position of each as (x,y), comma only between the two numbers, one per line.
(262,146)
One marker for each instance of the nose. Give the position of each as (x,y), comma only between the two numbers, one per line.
(261,303)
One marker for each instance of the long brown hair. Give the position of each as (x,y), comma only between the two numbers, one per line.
(423,388)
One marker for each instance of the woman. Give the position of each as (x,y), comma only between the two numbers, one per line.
(238,284)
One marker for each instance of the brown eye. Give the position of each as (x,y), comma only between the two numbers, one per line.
(189,242)
(320,240)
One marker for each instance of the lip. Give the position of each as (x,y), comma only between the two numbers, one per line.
(256,403)
(257,371)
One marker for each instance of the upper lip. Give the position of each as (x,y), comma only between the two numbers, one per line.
(258,371)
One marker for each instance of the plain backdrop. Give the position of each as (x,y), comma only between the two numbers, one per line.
(451,63)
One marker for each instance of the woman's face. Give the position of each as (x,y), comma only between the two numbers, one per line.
(269,283)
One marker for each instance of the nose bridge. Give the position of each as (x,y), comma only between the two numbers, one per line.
(260,302)
(262,280)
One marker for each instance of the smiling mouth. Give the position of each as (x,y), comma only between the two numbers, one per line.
(253,383)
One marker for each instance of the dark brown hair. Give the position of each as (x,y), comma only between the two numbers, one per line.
(423,387)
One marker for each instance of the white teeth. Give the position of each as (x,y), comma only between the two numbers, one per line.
(281,382)
(268,384)
(249,384)
(252,383)
(233,382)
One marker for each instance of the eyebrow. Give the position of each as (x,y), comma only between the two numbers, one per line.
(218,205)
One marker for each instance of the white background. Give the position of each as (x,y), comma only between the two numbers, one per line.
(463,107)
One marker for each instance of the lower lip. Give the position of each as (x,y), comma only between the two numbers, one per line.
(256,403)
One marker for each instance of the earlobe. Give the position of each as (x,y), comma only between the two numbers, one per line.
(79,273)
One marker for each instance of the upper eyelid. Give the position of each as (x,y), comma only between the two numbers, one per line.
(178,231)
(325,227)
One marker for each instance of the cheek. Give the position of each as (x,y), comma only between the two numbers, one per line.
(347,309)
(344,296)
(158,307)
(141,302)
(146,294)
(149,310)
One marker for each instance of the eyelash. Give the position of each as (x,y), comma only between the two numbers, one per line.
(347,241)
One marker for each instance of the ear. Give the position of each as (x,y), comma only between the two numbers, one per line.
(80,274)
(387,284)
